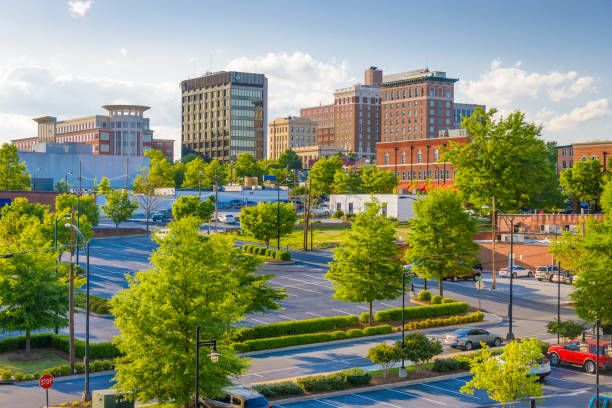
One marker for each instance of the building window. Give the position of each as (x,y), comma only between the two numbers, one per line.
(104,148)
(564,164)
(419,156)
(419,175)
(564,152)
(386,157)
(403,157)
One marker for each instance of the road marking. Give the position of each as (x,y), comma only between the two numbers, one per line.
(570,371)
(258,321)
(445,390)
(328,403)
(415,395)
(362,307)
(316,277)
(286,317)
(387,304)
(306,282)
(304,366)
(296,287)
(313,314)
(463,381)
(372,399)
(569,381)
(340,311)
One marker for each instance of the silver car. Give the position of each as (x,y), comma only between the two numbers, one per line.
(468,338)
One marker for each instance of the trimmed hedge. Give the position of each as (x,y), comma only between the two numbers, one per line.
(310,338)
(295,327)
(267,252)
(335,381)
(436,300)
(449,321)
(282,389)
(424,295)
(418,312)
(450,364)
(447,300)
(60,342)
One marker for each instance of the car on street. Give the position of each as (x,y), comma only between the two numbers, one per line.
(517,272)
(473,275)
(226,218)
(542,370)
(545,272)
(162,216)
(321,210)
(605,400)
(469,337)
(237,397)
(565,277)
(582,354)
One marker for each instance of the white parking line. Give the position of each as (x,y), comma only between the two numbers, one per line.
(285,285)
(316,277)
(258,321)
(445,390)
(372,399)
(327,403)
(463,381)
(564,380)
(346,361)
(387,304)
(313,314)
(414,395)
(286,317)
(306,282)
(340,311)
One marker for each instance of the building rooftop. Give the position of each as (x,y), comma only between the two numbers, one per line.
(137,108)
(415,76)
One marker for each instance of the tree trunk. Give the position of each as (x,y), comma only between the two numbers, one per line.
(440,286)
(371,322)
(424,283)
(27,339)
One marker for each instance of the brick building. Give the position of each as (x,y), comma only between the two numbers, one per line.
(324,117)
(166,146)
(290,133)
(569,154)
(123,132)
(310,154)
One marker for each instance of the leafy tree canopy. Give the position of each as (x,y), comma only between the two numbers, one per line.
(159,174)
(13,174)
(195,174)
(104,186)
(261,221)
(322,174)
(376,181)
(86,206)
(347,182)
(583,182)
(186,206)
(289,159)
(119,207)
(246,166)
(504,158)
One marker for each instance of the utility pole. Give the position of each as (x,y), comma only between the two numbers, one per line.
(216,199)
(493,239)
(71,296)
(305,219)
(78,213)
(559,299)
(310,226)
(510,334)
(277,214)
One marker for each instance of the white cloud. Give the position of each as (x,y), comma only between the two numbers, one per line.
(544,113)
(503,85)
(295,80)
(592,110)
(123,52)
(79,8)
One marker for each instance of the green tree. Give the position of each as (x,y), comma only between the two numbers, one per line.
(582,182)
(322,174)
(376,181)
(179,173)
(366,267)
(21,206)
(568,329)
(158,331)
(440,237)
(591,257)
(347,182)
(193,179)
(507,378)
(216,170)
(189,157)
(185,206)
(86,206)
(384,355)
(119,207)
(246,166)
(62,186)
(266,219)
(506,159)
(419,349)
(104,186)
(31,295)
(13,174)
(159,175)
(289,159)
(606,197)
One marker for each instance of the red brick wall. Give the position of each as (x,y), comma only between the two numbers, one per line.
(41,197)
(534,222)
(325,134)
(528,256)
(578,152)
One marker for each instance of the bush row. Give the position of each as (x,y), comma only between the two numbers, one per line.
(60,342)
(297,340)
(341,380)
(267,252)
(295,327)
(448,321)
(58,371)
(97,304)
(417,312)
(443,365)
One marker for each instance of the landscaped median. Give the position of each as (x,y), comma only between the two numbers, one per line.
(267,253)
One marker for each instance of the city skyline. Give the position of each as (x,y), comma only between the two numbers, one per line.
(82,54)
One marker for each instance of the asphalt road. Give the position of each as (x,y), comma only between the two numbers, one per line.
(446,393)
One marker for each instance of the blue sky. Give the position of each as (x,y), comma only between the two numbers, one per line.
(550,59)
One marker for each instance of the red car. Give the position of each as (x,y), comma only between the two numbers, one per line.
(581,354)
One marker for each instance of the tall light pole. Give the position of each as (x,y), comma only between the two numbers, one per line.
(86,393)
(56,330)
(214,357)
(510,335)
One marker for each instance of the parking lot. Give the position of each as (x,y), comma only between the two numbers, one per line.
(447,393)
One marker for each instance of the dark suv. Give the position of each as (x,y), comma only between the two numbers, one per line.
(237,397)
(162,216)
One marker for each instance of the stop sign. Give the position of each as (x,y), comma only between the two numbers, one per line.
(46,381)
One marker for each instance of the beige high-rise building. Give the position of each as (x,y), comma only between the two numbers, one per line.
(289,133)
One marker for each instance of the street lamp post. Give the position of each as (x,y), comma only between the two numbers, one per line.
(56,330)
(510,335)
(277,215)
(86,393)
(559,299)
(214,357)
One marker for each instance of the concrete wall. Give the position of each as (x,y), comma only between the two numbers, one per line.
(56,165)
(398,205)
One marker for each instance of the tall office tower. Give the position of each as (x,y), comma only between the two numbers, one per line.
(224,114)
(462,110)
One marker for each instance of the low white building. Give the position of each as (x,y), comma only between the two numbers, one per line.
(397,205)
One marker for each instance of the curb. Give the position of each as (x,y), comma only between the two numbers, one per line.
(366,389)
(270,262)
(376,337)
(68,377)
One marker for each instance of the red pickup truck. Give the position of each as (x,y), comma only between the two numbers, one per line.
(581,354)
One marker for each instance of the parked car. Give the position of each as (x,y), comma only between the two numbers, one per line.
(517,272)
(226,218)
(605,400)
(543,367)
(581,354)
(545,272)
(473,275)
(321,210)
(234,397)
(162,216)
(565,276)
(467,338)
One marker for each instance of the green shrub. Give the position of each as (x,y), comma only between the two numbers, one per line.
(36,375)
(18,376)
(436,300)
(318,383)
(269,252)
(283,389)
(285,256)
(424,295)
(6,375)
(63,370)
(338,214)
(356,376)
(97,366)
(107,364)
(28,377)
(446,364)
(374,330)
(295,327)
(352,333)
(364,317)
(447,300)
(59,342)
(422,312)
(340,335)
(79,367)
